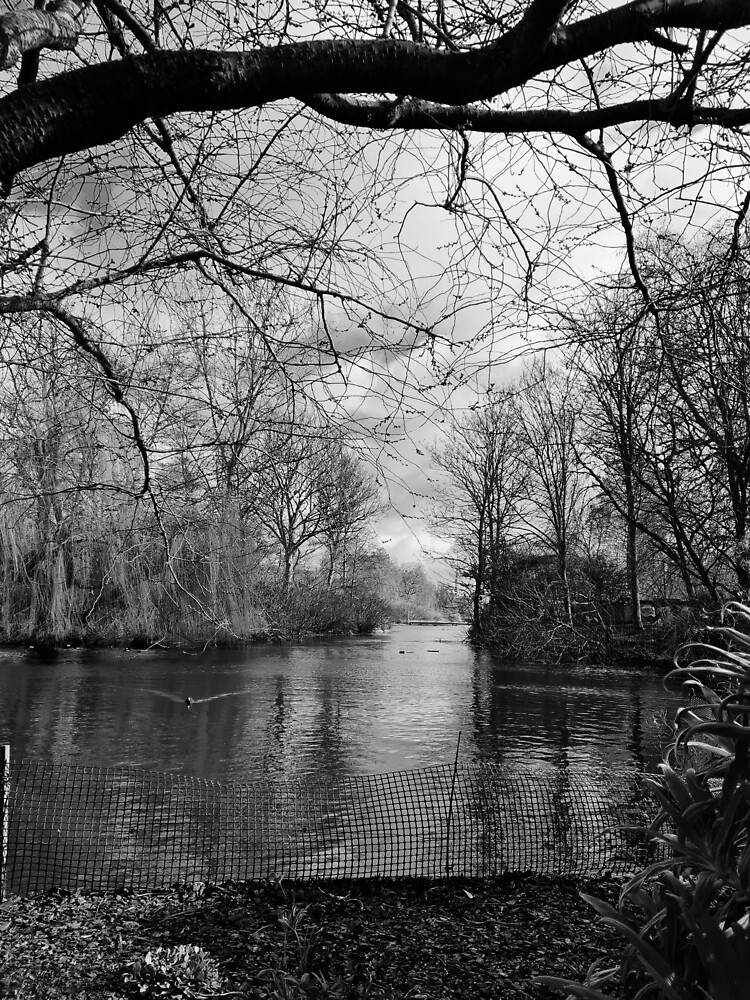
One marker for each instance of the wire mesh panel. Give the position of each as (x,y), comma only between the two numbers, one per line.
(112,829)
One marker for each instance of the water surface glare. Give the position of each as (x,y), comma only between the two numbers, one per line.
(333,707)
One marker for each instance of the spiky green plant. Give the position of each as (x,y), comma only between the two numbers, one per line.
(686,918)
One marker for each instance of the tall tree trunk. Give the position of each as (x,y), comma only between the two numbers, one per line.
(480,573)
(288,570)
(562,574)
(477,604)
(742,564)
(633,581)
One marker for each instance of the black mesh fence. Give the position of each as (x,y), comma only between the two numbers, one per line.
(104,829)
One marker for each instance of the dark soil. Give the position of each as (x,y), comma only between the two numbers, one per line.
(421,939)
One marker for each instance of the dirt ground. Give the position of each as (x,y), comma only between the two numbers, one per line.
(421,939)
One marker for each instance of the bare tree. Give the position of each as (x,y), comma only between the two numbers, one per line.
(67,504)
(290,475)
(668,416)
(618,383)
(482,494)
(348,501)
(703,334)
(415,592)
(557,485)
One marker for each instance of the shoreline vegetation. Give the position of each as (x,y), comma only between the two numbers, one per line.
(227,640)
(180,621)
(559,642)
(616,648)
(211,594)
(553,642)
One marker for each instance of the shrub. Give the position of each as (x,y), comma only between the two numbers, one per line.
(686,918)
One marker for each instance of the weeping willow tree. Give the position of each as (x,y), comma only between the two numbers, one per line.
(88,554)
(84,553)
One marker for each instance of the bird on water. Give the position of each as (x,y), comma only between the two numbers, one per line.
(189,700)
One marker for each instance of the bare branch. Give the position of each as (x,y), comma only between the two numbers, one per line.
(737,228)
(604,158)
(416,114)
(117,10)
(388,26)
(414,16)
(463,161)
(113,382)
(11,304)
(540,20)
(664,42)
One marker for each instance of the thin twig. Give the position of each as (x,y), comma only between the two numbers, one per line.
(388,26)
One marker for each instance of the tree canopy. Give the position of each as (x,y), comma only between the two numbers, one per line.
(610,113)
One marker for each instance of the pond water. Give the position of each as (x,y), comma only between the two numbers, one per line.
(334,707)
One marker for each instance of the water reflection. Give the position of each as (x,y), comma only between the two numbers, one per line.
(585,717)
(341,707)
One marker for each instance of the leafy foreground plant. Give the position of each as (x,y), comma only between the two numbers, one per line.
(686,918)
(183,971)
(295,978)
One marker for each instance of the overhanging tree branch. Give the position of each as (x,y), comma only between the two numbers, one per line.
(99,104)
(417,114)
(48,301)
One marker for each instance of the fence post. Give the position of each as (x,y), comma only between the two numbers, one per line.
(4,810)
(448,865)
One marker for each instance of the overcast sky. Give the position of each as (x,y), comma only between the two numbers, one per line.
(558,200)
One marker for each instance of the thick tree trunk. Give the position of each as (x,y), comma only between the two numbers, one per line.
(481,569)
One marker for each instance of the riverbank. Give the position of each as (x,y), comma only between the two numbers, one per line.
(189,643)
(560,643)
(460,938)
